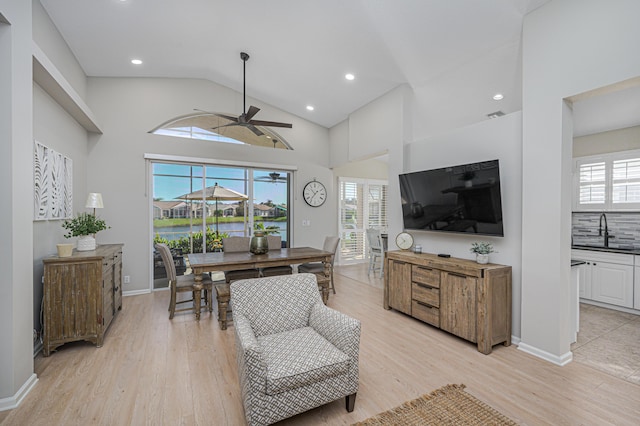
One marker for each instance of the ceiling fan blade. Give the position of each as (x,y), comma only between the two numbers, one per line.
(225,125)
(227,117)
(254,129)
(270,124)
(252,111)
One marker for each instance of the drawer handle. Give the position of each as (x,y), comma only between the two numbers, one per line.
(428,287)
(455,274)
(425,268)
(425,305)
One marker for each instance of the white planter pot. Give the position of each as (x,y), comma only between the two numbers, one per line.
(86,243)
(482,258)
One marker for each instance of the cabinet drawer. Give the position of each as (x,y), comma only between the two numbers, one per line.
(428,276)
(425,294)
(425,313)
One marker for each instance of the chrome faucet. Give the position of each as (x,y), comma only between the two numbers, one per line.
(606,230)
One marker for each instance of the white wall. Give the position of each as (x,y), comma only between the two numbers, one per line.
(365,169)
(47,37)
(16,189)
(569,47)
(374,127)
(500,139)
(605,142)
(128,108)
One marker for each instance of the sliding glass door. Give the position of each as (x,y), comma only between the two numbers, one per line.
(196,205)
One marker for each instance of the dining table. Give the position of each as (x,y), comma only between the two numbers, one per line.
(220,261)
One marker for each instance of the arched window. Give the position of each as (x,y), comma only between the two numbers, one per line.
(210,127)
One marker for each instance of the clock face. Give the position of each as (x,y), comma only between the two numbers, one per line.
(404,240)
(315,194)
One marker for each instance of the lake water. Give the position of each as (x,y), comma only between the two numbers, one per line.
(233,229)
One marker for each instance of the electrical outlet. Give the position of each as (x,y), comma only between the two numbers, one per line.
(127,279)
(306,222)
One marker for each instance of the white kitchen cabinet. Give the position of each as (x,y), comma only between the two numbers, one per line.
(607,277)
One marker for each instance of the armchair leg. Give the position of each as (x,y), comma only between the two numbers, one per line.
(350,402)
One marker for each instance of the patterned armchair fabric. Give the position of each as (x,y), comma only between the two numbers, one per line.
(293,352)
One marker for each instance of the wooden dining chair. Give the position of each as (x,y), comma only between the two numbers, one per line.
(183,284)
(330,244)
(275,243)
(236,245)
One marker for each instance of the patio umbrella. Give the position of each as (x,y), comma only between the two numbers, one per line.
(215,192)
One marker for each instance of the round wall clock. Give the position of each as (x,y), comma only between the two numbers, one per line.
(404,240)
(314,193)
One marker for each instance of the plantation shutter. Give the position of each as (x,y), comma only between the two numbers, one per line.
(626,183)
(363,204)
(592,183)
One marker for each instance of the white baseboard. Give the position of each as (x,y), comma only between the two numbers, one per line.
(515,340)
(135,292)
(15,400)
(561,360)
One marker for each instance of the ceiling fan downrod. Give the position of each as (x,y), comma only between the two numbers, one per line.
(245,57)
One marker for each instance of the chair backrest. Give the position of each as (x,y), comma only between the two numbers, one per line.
(331,244)
(236,244)
(276,304)
(274,242)
(374,238)
(167,259)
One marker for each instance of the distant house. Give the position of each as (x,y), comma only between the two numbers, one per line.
(264,210)
(170,209)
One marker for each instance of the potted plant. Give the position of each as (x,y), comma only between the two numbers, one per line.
(84,226)
(482,251)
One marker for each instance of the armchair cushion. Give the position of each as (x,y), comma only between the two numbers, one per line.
(300,357)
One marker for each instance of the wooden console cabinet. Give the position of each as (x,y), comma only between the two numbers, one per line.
(82,294)
(465,298)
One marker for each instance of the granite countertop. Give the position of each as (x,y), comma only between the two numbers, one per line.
(620,249)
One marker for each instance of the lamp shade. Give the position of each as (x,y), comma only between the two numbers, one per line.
(94,200)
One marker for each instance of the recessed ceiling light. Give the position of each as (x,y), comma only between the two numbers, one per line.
(310,108)
(349,76)
(136,61)
(498,97)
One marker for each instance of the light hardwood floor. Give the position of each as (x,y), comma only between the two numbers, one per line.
(182,372)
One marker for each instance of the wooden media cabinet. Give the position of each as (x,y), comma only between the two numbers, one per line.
(465,298)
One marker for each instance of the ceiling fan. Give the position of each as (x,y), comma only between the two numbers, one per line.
(273,177)
(246,118)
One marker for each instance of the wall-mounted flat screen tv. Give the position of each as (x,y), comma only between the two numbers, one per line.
(464,199)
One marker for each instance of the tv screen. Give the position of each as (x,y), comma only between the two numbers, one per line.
(464,198)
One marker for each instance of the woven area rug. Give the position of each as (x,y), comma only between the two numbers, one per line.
(449,405)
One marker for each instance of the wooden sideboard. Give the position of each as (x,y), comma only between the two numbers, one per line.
(465,298)
(81,295)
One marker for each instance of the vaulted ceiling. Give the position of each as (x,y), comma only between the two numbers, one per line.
(449,51)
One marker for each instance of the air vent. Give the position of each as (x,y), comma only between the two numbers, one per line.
(495,114)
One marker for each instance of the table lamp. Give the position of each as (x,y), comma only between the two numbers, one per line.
(94,200)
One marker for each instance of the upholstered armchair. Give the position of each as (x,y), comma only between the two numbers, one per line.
(293,352)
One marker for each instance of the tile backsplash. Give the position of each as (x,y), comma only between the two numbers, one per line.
(624,229)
